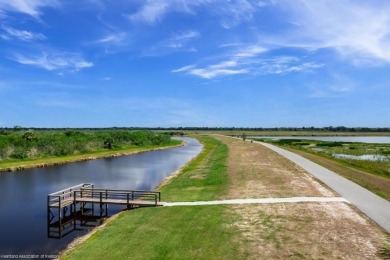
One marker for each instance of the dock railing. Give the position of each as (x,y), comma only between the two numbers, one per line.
(70,206)
(116,196)
(65,197)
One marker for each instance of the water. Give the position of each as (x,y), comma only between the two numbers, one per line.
(355,139)
(365,157)
(23,205)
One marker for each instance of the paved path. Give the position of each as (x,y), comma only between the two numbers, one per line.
(256,201)
(375,207)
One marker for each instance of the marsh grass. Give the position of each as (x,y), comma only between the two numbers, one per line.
(327,149)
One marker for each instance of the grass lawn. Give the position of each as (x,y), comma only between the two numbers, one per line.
(205,178)
(163,233)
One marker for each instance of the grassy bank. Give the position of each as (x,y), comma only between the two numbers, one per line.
(201,232)
(204,178)
(11,165)
(26,149)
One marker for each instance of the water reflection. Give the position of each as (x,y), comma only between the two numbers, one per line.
(23,205)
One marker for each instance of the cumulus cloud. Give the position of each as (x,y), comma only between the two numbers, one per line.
(54,61)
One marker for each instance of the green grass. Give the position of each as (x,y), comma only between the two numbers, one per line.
(198,232)
(205,178)
(163,233)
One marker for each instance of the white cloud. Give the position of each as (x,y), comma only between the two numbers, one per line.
(118,38)
(249,60)
(283,64)
(337,85)
(358,30)
(265,3)
(230,13)
(21,34)
(235,64)
(224,64)
(234,12)
(29,7)
(180,39)
(55,61)
(151,12)
(249,51)
(209,73)
(185,68)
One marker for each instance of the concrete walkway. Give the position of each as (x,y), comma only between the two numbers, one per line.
(256,201)
(375,207)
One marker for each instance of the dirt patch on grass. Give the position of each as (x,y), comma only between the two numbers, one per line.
(306,231)
(256,172)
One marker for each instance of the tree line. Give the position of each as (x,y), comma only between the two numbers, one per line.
(171,130)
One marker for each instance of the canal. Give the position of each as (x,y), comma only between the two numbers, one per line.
(23,205)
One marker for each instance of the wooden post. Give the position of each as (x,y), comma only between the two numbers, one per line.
(48,215)
(59,217)
(101,204)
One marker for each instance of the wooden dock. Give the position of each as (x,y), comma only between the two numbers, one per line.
(76,205)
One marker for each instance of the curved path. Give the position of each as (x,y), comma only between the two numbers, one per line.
(375,207)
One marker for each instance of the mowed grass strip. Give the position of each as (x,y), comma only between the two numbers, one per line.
(198,232)
(205,178)
(163,233)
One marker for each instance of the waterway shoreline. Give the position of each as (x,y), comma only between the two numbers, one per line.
(83,158)
(81,239)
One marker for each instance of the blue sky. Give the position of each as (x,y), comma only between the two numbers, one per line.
(168,63)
